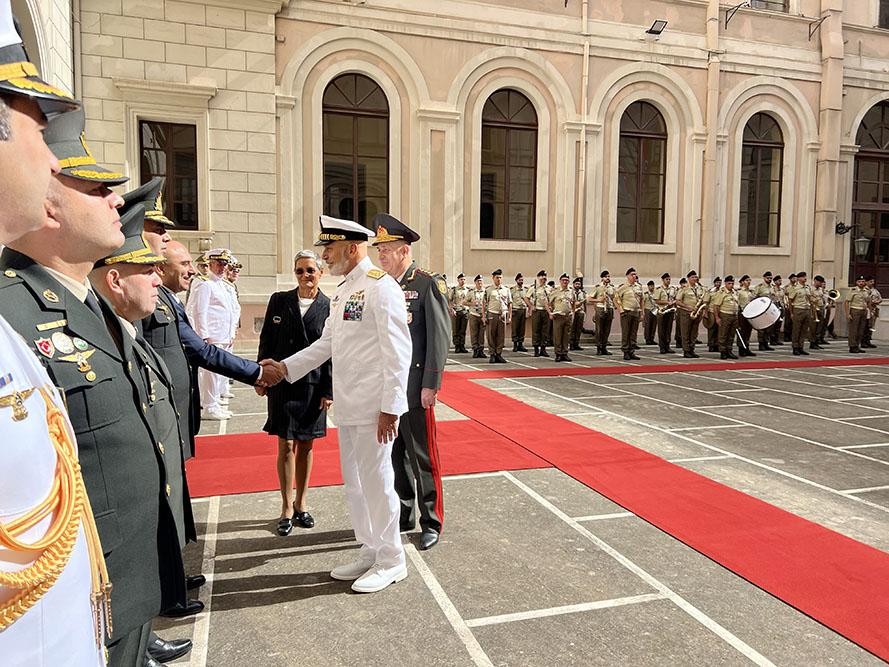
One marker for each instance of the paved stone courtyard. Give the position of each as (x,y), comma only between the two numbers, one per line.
(535,568)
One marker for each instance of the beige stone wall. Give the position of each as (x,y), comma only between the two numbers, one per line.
(48,37)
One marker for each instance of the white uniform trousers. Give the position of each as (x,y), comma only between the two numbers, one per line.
(369,482)
(212,386)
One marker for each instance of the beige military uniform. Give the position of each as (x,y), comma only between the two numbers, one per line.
(726,303)
(475,301)
(519,313)
(856,306)
(629,298)
(538,297)
(561,305)
(603,296)
(498,309)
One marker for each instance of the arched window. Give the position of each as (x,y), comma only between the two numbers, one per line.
(870,196)
(762,166)
(509,167)
(356,148)
(642,175)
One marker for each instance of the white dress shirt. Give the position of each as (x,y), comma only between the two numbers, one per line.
(367,338)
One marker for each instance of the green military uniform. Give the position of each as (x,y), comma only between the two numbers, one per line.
(579,317)
(475,302)
(725,302)
(498,311)
(856,310)
(561,308)
(457,301)
(537,297)
(603,297)
(687,299)
(799,298)
(519,313)
(629,299)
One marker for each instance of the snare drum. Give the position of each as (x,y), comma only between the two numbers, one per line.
(762,313)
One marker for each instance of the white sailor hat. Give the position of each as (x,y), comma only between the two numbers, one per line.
(334,229)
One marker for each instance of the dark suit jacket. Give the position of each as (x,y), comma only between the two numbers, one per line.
(169,332)
(285,332)
(430,327)
(124,470)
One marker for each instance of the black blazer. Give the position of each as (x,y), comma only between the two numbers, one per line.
(285,332)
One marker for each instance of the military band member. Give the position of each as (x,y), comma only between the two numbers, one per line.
(745,296)
(560,307)
(536,298)
(415,450)
(688,299)
(579,314)
(628,301)
(665,298)
(799,302)
(856,307)
(873,312)
(45,619)
(709,320)
(788,319)
(776,293)
(683,282)
(89,354)
(548,339)
(764,289)
(649,314)
(824,306)
(602,297)
(724,305)
(459,312)
(499,311)
(475,302)
(519,313)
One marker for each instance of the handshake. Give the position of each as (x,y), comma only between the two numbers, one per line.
(272,373)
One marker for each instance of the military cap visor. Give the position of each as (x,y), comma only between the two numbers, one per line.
(691,273)
(460,275)
(389,228)
(767,274)
(135,248)
(631,270)
(497,272)
(65,138)
(335,229)
(151,196)
(477,278)
(541,273)
(20,77)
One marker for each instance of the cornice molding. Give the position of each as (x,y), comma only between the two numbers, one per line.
(259,6)
(167,92)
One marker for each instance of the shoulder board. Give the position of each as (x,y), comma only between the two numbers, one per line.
(376,274)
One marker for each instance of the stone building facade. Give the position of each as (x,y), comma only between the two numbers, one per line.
(513,134)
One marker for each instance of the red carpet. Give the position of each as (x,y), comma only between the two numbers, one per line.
(245,463)
(839,582)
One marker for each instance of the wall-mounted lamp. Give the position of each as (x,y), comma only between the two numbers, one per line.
(842,228)
(731,11)
(862,245)
(657,28)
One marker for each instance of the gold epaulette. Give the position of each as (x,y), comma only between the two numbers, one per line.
(376,274)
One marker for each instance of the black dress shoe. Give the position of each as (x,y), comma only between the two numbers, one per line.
(723,355)
(803,352)
(633,357)
(565,357)
(492,360)
(543,352)
(694,355)
(285,526)
(816,346)
(148,661)
(180,610)
(194,581)
(428,539)
(303,520)
(732,355)
(522,348)
(166,651)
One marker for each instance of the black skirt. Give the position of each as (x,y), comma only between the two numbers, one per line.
(295,412)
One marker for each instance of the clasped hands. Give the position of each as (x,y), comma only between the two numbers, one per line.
(272,373)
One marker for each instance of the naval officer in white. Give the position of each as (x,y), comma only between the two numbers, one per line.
(214,310)
(367,338)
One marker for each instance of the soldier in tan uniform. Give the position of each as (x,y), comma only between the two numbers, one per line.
(475,301)
(520,313)
(628,301)
(579,314)
(649,314)
(724,305)
(459,312)
(764,289)
(688,299)
(745,296)
(709,320)
(788,318)
(778,298)
(536,298)
(665,298)
(602,297)
(856,313)
(800,301)
(873,312)
(823,305)
(499,311)
(560,307)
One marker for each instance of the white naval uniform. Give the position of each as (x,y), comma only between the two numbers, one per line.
(59,628)
(213,309)
(367,338)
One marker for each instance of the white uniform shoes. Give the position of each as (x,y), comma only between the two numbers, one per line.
(351,571)
(377,578)
(216,415)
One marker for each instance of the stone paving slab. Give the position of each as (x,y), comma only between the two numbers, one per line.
(804,390)
(569,495)
(681,396)
(760,620)
(660,414)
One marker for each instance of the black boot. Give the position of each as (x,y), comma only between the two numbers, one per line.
(493,359)
(515,346)
(536,350)
(543,352)
(803,352)
(565,357)
(521,348)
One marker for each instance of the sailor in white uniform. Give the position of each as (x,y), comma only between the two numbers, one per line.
(50,561)
(214,310)
(367,337)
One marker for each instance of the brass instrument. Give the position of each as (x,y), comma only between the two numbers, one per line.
(873,302)
(699,308)
(833,295)
(663,310)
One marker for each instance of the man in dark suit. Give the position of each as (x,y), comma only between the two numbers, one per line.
(46,297)
(415,452)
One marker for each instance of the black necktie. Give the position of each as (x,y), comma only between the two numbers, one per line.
(93,304)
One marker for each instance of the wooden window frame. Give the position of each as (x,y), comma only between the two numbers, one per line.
(171,175)
(759,147)
(640,137)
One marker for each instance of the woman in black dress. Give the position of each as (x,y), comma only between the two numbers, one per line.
(298,411)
